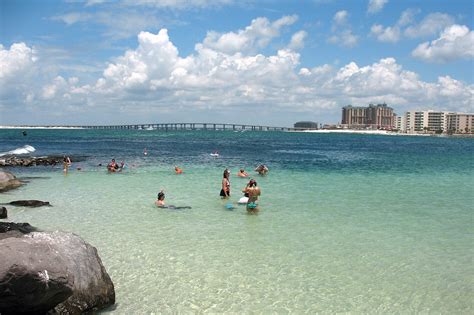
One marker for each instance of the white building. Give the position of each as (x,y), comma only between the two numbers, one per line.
(435,121)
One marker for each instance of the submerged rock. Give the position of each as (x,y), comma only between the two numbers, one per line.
(3,213)
(8,181)
(29,203)
(41,271)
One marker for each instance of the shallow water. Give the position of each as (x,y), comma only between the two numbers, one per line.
(347,223)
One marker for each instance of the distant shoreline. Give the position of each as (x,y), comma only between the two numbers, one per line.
(385,133)
(341,131)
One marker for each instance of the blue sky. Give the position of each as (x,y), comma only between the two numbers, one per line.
(262,62)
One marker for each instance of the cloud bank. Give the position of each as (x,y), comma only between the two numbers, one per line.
(153,80)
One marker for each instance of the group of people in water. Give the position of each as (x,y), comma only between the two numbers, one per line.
(251,190)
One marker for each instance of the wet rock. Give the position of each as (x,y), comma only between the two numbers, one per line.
(8,181)
(10,229)
(29,203)
(3,213)
(42,271)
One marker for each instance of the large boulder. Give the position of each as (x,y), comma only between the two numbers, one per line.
(10,229)
(45,270)
(8,181)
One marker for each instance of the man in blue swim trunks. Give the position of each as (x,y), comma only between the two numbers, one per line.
(253,192)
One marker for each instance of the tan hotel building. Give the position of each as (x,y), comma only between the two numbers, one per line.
(378,116)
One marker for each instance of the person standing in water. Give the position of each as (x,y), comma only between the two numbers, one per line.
(66,163)
(225,191)
(253,192)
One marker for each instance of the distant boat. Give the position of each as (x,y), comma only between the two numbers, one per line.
(215,154)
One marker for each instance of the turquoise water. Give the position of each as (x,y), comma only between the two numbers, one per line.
(347,223)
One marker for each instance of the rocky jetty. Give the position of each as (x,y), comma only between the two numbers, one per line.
(8,181)
(13,160)
(50,272)
(30,161)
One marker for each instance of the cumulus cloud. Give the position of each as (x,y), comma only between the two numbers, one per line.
(153,79)
(341,31)
(254,37)
(17,60)
(386,34)
(376,6)
(431,24)
(455,42)
(340,17)
(297,40)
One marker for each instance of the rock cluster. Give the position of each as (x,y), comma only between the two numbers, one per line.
(30,161)
(50,272)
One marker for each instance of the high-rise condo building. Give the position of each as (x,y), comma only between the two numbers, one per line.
(435,121)
(378,116)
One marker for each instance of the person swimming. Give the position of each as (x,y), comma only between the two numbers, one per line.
(178,170)
(262,169)
(242,173)
(112,166)
(160,203)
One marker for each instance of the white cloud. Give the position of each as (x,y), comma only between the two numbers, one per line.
(387,34)
(297,40)
(72,18)
(341,31)
(375,6)
(455,42)
(254,37)
(178,4)
(432,24)
(17,60)
(153,80)
(340,17)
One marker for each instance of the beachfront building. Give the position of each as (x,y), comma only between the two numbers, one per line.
(306,125)
(459,123)
(430,121)
(378,116)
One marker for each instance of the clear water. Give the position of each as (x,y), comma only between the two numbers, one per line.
(348,223)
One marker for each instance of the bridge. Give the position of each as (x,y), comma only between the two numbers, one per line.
(190,126)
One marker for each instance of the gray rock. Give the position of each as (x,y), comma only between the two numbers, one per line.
(10,229)
(8,181)
(33,278)
(29,203)
(60,268)
(3,213)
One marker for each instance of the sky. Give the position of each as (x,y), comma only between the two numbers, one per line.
(266,62)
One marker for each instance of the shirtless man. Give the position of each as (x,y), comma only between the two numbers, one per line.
(253,192)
